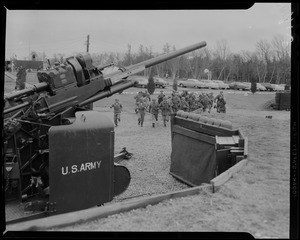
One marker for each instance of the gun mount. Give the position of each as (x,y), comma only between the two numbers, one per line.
(58,154)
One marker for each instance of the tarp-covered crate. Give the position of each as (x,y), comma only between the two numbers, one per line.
(203,148)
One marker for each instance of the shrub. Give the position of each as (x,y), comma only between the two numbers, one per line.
(151,85)
(253,86)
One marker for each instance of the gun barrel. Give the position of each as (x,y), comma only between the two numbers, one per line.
(119,84)
(15,108)
(139,67)
(167,56)
(118,87)
(28,91)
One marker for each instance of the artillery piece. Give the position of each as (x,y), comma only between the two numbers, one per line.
(58,153)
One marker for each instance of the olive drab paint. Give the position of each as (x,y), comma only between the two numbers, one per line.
(81,159)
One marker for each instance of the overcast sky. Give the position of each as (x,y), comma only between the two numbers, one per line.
(60,31)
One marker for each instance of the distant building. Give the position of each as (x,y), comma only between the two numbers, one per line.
(29,64)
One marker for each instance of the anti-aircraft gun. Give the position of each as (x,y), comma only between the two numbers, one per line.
(58,153)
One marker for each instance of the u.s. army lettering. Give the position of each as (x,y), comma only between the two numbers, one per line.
(80,168)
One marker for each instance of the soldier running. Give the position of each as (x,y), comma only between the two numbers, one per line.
(142,106)
(211,102)
(220,103)
(147,95)
(160,96)
(137,98)
(154,109)
(176,102)
(166,110)
(117,111)
(205,101)
(147,99)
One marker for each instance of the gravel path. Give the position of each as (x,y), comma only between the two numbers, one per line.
(150,163)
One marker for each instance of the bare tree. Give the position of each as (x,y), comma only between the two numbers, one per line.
(263,49)
(264,53)
(166,64)
(184,67)
(270,62)
(221,54)
(222,50)
(159,70)
(282,58)
(235,67)
(128,56)
(280,48)
(174,65)
(144,54)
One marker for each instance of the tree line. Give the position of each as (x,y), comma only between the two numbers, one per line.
(270,62)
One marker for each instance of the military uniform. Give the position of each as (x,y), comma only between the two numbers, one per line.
(196,104)
(169,100)
(147,95)
(137,98)
(166,109)
(205,101)
(191,99)
(184,105)
(211,101)
(221,108)
(142,106)
(147,99)
(184,93)
(147,102)
(154,109)
(176,102)
(117,111)
(160,97)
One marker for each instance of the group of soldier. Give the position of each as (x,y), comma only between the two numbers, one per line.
(185,101)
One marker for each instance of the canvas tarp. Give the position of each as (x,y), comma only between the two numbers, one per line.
(193,159)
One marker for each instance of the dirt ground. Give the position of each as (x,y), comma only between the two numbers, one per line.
(255,200)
